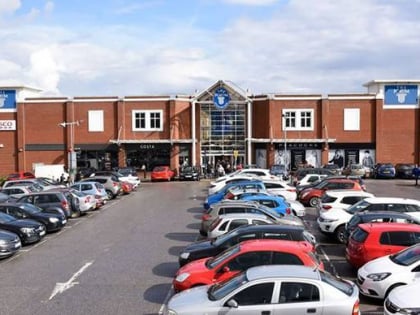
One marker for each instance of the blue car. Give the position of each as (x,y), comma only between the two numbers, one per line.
(247,184)
(384,170)
(275,203)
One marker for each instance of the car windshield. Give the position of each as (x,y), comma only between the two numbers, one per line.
(222,238)
(358,206)
(4,218)
(220,290)
(187,169)
(407,256)
(212,263)
(30,208)
(336,282)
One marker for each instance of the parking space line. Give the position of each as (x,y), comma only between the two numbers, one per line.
(334,271)
(166,300)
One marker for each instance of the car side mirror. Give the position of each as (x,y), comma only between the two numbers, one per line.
(232,303)
(225,269)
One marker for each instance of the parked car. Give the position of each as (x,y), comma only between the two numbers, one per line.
(277,204)
(9,243)
(52,221)
(29,231)
(17,191)
(309,179)
(20,175)
(240,257)
(280,188)
(118,177)
(374,217)
(112,186)
(384,170)
(126,171)
(280,171)
(341,199)
(285,289)
(354,169)
(404,170)
(162,173)
(31,181)
(189,173)
(377,278)
(216,197)
(261,173)
(404,205)
(370,241)
(85,202)
(221,182)
(92,188)
(336,169)
(207,248)
(228,222)
(311,196)
(302,172)
(403,300)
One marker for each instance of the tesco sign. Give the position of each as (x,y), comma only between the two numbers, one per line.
(7,124)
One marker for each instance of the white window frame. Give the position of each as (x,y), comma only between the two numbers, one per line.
(296,115)
(351,119)
(96,120)
(148,118)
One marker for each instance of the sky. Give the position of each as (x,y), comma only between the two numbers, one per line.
(167,47)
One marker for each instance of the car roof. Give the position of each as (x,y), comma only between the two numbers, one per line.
(282,271)
(389,226)
(377,200)
(348,192)
(248,215)
(263,196)
(269,227)
(271,244)
(379,214)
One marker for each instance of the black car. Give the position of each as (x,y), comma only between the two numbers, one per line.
(51,221)
(29,231)
(404,170)
(279,170)
(9,243)
(376,216)
(207,248)
(126,171)
(189,173)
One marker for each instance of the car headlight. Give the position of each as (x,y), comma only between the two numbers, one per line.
(3,242)
(27,230)
(53,220)
(182,277)
(378,276)
(184,255)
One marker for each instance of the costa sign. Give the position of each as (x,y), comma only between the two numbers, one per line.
(7,124)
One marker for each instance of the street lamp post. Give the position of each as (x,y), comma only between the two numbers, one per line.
(71,156)
(285,143)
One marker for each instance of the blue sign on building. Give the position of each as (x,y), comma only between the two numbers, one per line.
(7,99)
(401,95)
(221,98)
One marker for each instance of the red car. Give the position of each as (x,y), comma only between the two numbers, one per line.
(20,175)
(162,173)
(126,187)
(241,257)
(310,196)
(372,240)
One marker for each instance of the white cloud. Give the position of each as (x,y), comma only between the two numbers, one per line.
(251,2)
(9,6)
(49,7)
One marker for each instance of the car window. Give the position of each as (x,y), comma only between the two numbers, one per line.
(224,226)
(256,294)
(397,238)
(359,235)
(286,259)
(396,207)
(412,208)
(235,223)
(245,261)
(259,222)
(244,237)
(296,292)
(327,198)
(350,200)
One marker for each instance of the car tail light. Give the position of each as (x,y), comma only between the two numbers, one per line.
(356,308)
(288,211)
(205,217)
(115,184)
(214,224)
(326,207)
(65,204)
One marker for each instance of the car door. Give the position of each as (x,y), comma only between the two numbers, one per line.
(298,298)
(393,241)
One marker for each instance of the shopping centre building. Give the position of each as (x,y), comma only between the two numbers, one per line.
(220,123)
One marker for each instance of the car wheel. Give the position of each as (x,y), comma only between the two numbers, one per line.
(76,214)
(339,234)
(110,194)
(392,288)
(313,201)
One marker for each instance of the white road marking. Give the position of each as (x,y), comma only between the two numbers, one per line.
(166,300)
(61,287)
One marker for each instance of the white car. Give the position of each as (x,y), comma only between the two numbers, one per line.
(298,209)
(380,276)
(85,202)
(280,188)
(270,289)
(342,199)
(310,178)
(227,222)
(221,182)
(403,300)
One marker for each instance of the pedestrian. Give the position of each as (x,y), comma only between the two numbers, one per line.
(416,173)
(143,168)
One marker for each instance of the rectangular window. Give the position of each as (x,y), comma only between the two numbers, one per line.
(147,120)
(351,119)
(96,120)
(298,119)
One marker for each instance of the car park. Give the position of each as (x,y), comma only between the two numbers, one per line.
(354,169)
(9,244)
(112,186)
(207,248)
(311,196)
(377,278)
(228,222)
(52,221)
(404,205)
(384,170)
(284,289)
(162,173)
(404,300)
(376,216)
(29,231)
(189,173)
(404,170)
(240,257)
(373,240)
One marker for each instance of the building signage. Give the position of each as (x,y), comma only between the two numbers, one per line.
(401,95)
(7,124)
(7,99)
(146,146)
(221,98)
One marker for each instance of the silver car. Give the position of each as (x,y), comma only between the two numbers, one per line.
(92,188)
(274,289)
